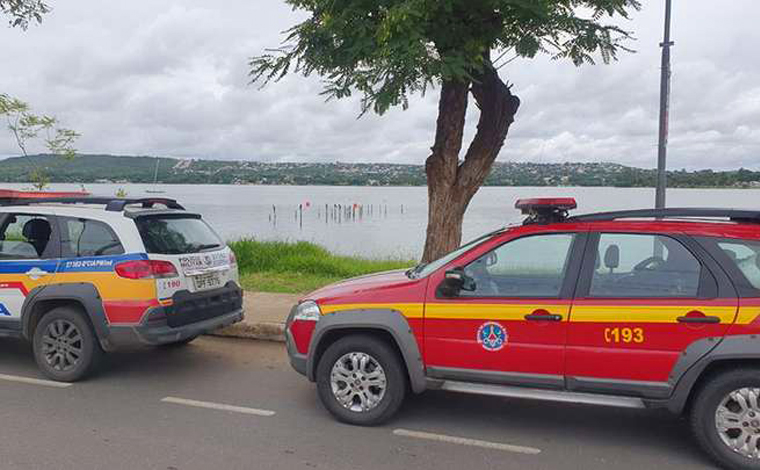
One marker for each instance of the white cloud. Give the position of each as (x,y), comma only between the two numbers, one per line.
(169,77)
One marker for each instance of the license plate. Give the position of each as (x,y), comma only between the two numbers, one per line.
(207,281)
(197,264)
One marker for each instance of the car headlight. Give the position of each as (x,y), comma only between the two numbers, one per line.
(308,311)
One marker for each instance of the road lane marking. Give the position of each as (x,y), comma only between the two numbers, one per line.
(217,406)
(31,381)
(466,441)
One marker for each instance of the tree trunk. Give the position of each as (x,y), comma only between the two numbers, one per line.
(451,184)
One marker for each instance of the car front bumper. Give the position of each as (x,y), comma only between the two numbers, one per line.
(297,360)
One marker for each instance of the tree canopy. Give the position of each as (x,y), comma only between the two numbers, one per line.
(389,49)
(21,12)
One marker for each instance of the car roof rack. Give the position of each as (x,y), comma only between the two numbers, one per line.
(734,215)
(113,204)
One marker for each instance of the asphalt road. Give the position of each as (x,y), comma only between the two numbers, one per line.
(134,414)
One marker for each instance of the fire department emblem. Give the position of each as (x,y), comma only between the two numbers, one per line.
(492,336)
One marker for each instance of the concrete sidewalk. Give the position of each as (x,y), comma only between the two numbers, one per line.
(265,316)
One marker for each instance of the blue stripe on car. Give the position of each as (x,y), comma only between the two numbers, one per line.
(69,265)
(97,263)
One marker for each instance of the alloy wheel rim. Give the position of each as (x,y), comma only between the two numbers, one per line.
(62,345)
(737,421)
(358,382)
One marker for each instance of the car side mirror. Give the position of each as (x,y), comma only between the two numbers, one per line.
(454,281)
(491,259)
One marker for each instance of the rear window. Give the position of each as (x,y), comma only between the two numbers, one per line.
(176,235)
(744,255)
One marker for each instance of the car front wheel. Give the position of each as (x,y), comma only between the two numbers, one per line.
(725,418)
(361,380)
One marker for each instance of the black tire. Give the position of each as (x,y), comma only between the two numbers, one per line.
(83,343)
(703,417)
(395,379)
(180,343)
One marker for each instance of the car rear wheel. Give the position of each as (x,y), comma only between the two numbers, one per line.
(361,380)
(725,418)
(65,346)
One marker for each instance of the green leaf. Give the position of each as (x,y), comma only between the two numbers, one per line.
(528,46)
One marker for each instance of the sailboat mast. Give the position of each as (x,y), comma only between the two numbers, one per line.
(155,175)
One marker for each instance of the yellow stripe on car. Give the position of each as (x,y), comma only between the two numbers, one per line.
(492,311)
(579,313)
(646,313)
(409,310)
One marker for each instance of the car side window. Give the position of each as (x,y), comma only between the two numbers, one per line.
(85,237)
(745,255)
(25,236)
(531,266)
(643,265)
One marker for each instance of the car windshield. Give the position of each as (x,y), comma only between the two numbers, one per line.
(425,269)
(176,235)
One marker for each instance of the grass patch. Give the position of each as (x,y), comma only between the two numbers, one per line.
(296,267)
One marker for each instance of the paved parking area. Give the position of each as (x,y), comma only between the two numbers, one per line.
(227,403)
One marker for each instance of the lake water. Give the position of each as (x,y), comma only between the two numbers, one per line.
(393,220)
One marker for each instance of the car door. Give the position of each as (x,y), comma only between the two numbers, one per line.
(29,253)
(642,300)
(511,328)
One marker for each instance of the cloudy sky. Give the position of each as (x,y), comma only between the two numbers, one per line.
(168,77)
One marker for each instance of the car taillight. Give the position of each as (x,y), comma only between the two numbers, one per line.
(233,258)
(162,269)
(146,269)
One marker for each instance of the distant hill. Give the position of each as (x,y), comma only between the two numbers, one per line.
(140,169)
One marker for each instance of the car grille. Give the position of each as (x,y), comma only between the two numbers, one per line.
(199,306)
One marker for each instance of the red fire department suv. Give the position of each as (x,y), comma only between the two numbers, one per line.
(644,308)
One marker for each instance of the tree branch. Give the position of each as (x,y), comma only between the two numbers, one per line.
(498,107)
(452,110)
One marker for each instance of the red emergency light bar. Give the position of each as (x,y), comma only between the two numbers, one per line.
(14,195)
(545,209)
(527,205)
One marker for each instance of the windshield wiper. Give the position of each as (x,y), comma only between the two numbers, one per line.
(203,247)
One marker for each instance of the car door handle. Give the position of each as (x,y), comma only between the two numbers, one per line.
(36,273)
(695,316)
(543,315)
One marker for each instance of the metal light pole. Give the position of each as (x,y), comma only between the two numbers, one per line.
(662,150)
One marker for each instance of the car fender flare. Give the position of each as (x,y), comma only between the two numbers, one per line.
(83,293)
(387,320)
(737,347)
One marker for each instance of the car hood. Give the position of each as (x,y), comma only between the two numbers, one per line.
(363,286)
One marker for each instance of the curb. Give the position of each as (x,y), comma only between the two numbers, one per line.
(261,331)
